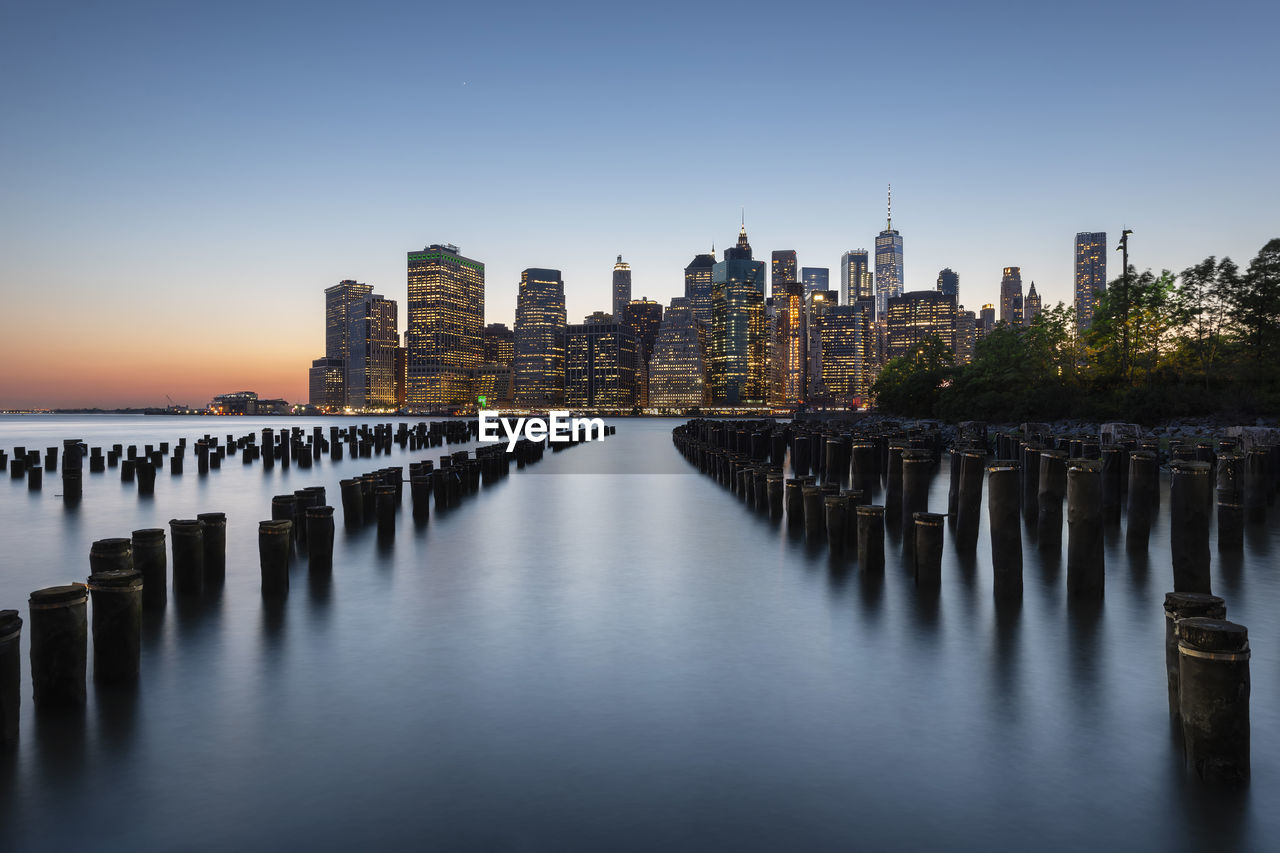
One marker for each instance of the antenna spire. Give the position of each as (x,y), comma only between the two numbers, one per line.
(889,210)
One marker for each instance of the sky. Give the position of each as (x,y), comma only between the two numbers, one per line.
(179,182)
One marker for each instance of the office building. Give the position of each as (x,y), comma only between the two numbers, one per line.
(966,335)
(643,317)
(621,288)
(986,321)
(499,344)
(856,281)
(739,334)
(677,370)
(325,381)
(848,352)
(1011,296)
(916,317)
(889,276)
(445,327)
(782,270)
(1091,275)
(600,366)
(788,357)
(372,341)
(538,370)
(949,283)
(816,306)
(697,287)
(337,329)
(815,278)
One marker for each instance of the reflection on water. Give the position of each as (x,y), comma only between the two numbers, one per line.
(610,650)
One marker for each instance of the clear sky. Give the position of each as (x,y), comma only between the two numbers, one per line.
(180,181)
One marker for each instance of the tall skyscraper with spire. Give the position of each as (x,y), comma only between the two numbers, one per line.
(621,289)
(888,262)
(855,277)
(1091,275)
(739,332)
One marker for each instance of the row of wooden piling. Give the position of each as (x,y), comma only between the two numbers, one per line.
(1207,657)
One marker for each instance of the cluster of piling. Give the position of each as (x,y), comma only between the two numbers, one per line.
(1034,480)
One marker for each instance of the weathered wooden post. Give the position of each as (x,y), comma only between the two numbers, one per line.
(1183,605)
(928,548)
(1213,698)
(117,625)
(274,543)
(871,538)
(1086,560)
(186,537)
(1004,517)
(10,676)
(59,646)
(150,560)
(1189,502)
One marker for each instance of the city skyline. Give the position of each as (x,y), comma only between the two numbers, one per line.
(141,148)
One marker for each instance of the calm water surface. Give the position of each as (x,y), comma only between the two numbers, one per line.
(609,651)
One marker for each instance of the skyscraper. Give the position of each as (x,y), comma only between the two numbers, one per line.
(788,355)
(621,288)
(889,276)
(848,352)
(643,317)
(1030,305)
(445,328)
(816,306)
(499,344)
(600,366)
(815,278)
(782,270)
(372,340)
(739,335)
(916,317)
(329,387)
(986,320)
(1011,296)
(966,335)
(855,277)
(949,283)
(1091,275)
(677,371)
(538,373)
(697,287)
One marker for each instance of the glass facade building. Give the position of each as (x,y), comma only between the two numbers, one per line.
(782,270)
(697,287)
(848,352)
(739,333)
(445,327)
(621,288)
(677,370)
(325,383)
(788,347)
(815,278)
(856,281)
(373,339)
(949,283)
(1091,275)
(917,316)
(539,359)
(816,306)
(600,366)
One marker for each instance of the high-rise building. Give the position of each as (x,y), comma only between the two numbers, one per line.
(697,287)
(337,330)
(1030,305)
(816,306)
(621,288)
(856,281)
(889,277)
(499,344)
(600,366)
(815,278)
(445,328)
(597,317)
(782,270)
(373,339)
(986,321)
(643,317)
(949,283)
(538,372)
(325,380)
(739,334)
(677,370)
(966,335)
(788,357)
(848,352)
(1091,275)
(1011,296)
(917,316)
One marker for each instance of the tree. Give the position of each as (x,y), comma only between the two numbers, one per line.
(909,385)
(1257,304)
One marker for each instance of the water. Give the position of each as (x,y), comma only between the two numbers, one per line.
(587,657)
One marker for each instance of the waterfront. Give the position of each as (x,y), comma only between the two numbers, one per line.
(586,656)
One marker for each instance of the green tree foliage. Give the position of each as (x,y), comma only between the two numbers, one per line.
(1160,345)
(909,385)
